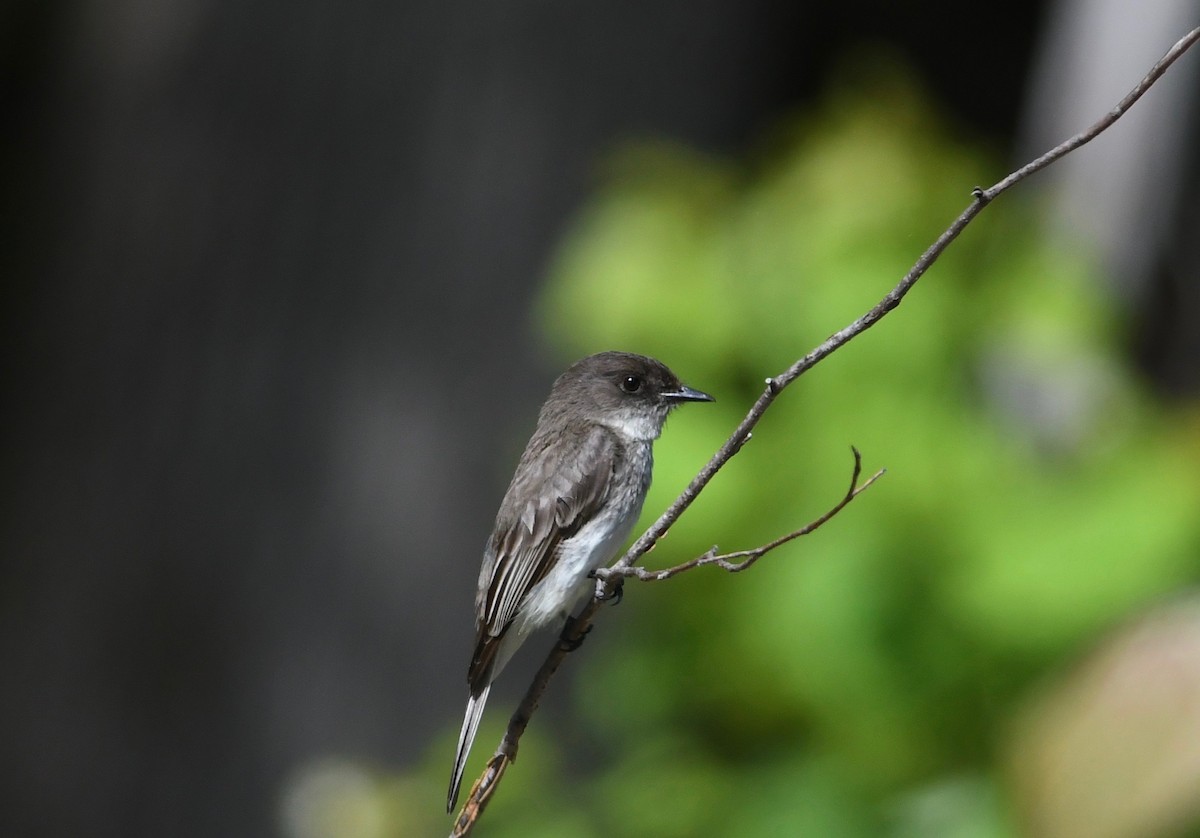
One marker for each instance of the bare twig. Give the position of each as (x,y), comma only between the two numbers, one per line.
(485,787)
(742,559)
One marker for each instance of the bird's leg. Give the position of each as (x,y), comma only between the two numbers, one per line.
(570,643)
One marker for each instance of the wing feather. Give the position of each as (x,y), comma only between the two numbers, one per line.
(556,490)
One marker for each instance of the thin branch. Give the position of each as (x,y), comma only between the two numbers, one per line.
(486,785)
(730,561)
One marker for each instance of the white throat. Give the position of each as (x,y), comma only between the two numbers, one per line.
(635,427)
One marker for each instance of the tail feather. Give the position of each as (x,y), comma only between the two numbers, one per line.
(465,737)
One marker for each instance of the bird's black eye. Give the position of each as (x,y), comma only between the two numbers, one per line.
(631,384)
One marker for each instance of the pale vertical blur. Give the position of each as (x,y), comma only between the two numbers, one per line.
(1123,194)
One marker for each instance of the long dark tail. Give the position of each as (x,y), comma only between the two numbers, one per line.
(465,737)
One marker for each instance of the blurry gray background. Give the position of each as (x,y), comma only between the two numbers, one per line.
(268,357)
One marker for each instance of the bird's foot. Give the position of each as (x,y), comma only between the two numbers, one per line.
(608,588)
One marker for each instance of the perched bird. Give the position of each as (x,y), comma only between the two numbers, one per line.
(573,500)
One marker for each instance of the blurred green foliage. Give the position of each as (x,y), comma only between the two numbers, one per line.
(861,681)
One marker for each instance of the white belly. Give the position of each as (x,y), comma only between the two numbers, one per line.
(556,595)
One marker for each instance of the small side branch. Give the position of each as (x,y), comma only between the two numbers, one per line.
(742,559)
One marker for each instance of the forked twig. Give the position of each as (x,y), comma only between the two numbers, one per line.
(742,559)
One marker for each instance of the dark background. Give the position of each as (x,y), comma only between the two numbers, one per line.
(268,356)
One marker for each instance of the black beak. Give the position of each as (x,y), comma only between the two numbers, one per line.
(687,394)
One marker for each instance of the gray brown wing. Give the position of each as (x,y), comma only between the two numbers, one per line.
(562,493)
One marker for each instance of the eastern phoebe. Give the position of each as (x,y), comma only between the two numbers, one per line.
(572,502)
